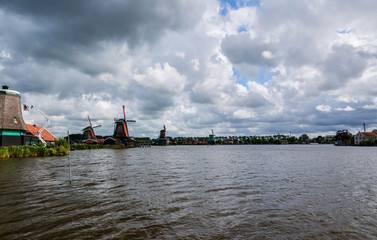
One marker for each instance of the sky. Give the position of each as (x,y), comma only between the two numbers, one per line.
(240,67)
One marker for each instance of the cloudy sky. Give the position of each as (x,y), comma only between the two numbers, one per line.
(240,67)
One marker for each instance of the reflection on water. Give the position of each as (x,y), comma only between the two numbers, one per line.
(193,192)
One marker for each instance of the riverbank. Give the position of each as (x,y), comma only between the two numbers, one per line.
(32,151)
(98,146)
(40,151)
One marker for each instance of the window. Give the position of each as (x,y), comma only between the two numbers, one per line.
(15,120)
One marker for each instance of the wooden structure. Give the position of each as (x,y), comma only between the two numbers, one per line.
(121,134)
(12,125)
(162,139)
(211,139)
(88,133)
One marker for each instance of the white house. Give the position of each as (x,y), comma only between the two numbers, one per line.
(364,136)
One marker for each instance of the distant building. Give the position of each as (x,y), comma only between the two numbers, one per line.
(365,136)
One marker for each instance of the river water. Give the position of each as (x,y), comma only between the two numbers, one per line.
(193,192)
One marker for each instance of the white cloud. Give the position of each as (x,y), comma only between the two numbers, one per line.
(180,54)
(323,108)
(163,78)
(242,114)
(195,64)
(267,55)
(5,55)
(346,109)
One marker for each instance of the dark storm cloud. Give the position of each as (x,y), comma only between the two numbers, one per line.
(84,22)
(343,64)
(64,28)
(241,49)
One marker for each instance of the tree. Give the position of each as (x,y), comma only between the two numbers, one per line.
(292,140)
(304,138)
(343,137)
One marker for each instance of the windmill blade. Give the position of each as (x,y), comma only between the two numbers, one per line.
(90,122)
(131,121)
(96,126)
(124,112)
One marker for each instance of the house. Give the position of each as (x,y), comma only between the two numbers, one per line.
(45,134)
(365,136)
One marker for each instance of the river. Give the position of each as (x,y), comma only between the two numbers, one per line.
(193,192)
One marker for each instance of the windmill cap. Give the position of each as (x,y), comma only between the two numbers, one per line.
(5,90)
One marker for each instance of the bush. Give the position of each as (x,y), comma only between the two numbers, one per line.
(32,151)
(369,142)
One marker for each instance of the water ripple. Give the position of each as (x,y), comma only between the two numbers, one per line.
(193,192)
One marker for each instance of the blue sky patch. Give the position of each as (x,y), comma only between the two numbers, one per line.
(225,5)
(242,29)
(240,79)
(345,31)
(265,75)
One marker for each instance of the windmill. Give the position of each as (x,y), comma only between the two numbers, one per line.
(163,133)
(88,131)
(12,125)
(162,140)
(121,128)
(211,139)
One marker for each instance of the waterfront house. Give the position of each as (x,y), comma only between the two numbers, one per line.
(365,136)
(45,134)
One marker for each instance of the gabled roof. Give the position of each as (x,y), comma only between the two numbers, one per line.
(369,134)
(46,135)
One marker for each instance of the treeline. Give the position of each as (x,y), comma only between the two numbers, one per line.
(272,139)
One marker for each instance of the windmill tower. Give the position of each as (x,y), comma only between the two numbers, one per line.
(211,139)
(12,125)
(121,128)
(88,132)
(163,133)
(162,140)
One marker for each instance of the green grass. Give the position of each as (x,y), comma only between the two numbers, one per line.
(32,151)
(59,149)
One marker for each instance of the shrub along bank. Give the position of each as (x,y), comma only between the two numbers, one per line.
(60,148)
(32,151)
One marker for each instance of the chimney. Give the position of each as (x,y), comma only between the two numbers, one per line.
(364,127)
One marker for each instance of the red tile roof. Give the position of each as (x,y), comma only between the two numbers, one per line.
(46,135)
(369,134)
